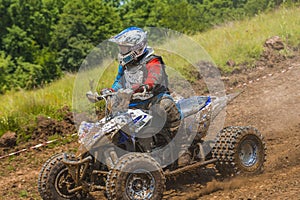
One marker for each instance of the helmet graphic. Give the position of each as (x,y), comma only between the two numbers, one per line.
(132,43)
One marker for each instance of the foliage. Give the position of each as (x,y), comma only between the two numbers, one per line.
(81,26)
(5,65)
(43,38)
(25,34)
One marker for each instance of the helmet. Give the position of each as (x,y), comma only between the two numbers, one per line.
(132,44)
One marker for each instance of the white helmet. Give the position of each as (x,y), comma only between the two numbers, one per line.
(132,44)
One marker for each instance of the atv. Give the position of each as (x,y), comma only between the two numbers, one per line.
(129,157)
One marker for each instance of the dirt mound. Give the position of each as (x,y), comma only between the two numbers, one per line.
(270,62)
(275,52)
(9,139)
(272,53)
(274,43)
(46,126)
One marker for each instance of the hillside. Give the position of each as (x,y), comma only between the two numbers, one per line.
(270,103)
(269,100)
(233,47)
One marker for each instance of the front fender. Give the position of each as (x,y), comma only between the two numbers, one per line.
(81,151)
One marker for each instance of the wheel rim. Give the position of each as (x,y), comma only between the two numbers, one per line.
(248,152)
(63,183)
(140,185)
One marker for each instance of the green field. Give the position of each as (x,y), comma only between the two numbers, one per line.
(241,41)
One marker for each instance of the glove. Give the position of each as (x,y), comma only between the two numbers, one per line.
(106,91)
(92,97)
(140,88)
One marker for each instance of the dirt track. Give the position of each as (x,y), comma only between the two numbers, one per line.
(271,104)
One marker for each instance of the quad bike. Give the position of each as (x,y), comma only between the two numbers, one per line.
(120,155)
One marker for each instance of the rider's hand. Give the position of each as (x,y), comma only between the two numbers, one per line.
(92,97)
(139,88)
(106,91)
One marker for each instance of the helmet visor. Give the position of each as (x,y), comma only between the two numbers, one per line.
(124,49)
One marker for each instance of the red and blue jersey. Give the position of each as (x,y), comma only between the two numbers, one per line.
(149,71)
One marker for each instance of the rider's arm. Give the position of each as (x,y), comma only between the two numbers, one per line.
(155,73)
(117,84)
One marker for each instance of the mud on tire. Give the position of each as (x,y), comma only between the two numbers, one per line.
(239,150)
(135,176)
(42,177)
(54,178)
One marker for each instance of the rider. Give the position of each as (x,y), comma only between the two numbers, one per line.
(139,70)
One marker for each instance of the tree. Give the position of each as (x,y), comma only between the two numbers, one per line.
(27,75)
(5,65)
(41,38)
(82,25)
(252,7)
(50,68)
(182,16)
(18,44)
(33,18)
(5,18)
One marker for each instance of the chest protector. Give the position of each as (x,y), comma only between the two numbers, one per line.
(134,75)
(138,73)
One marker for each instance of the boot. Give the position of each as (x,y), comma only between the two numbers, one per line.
(184,158)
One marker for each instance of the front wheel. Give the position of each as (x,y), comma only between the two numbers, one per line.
(239,150)
(54,180)
(135,176)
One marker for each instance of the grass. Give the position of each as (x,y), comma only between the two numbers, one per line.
(23,194)
(241,41)
(20,108)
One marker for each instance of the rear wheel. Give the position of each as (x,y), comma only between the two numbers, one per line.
(136,176)
(239,150)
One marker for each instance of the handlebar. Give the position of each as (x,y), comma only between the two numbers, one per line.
(95,97)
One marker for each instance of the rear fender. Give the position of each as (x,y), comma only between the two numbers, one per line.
(219,103)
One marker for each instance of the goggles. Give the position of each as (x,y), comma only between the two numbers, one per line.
(124,49)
